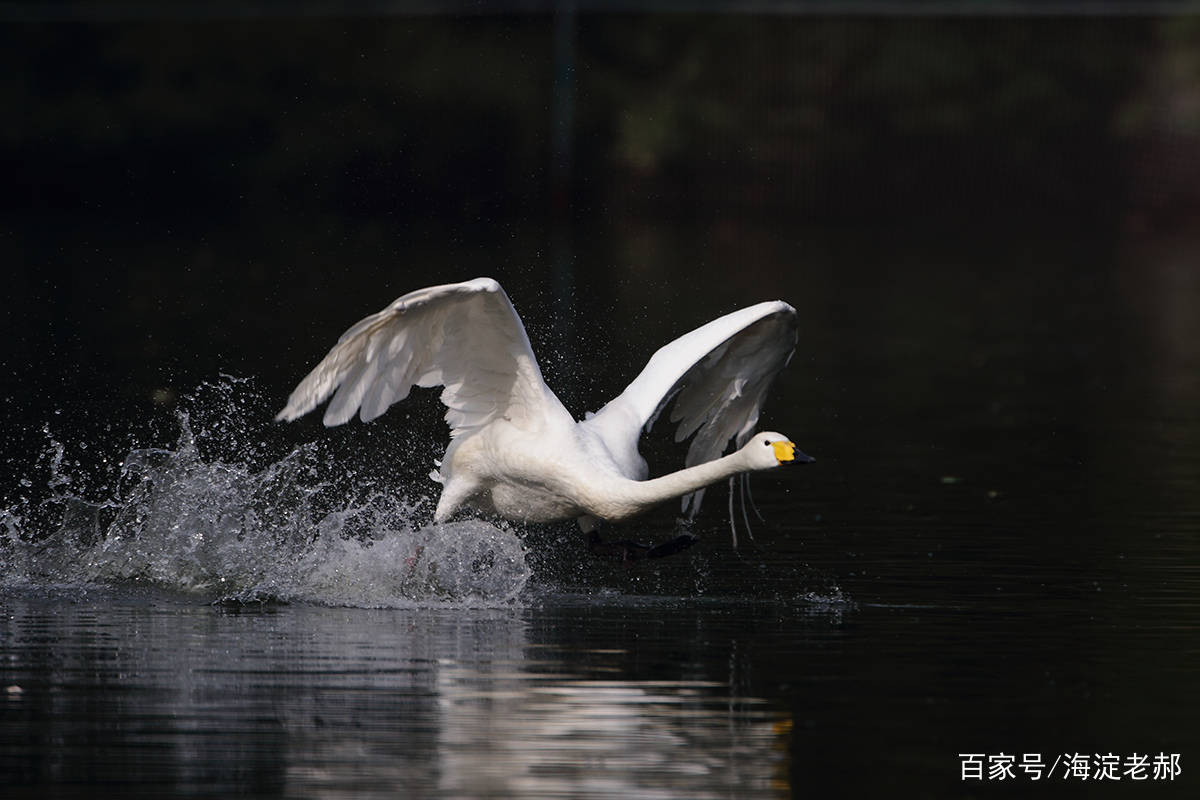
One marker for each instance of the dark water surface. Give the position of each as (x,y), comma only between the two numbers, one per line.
(995,553)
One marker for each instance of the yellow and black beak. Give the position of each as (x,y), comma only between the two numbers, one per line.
(786,451)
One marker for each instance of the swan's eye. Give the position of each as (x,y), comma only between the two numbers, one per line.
(766,444)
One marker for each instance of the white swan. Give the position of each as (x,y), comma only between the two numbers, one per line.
(515,450)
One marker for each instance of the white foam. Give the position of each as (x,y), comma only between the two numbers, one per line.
(226,531)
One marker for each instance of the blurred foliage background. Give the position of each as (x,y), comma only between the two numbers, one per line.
(449,118)
(188,186)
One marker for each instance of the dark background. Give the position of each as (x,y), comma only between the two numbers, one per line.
(986,220)
(186,192)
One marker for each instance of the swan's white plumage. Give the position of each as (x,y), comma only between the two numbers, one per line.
(465,337)
(515,450)
(718,375)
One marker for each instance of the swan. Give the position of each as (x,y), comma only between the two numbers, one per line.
(514,448)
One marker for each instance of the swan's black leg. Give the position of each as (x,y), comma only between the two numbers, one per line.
(670,548)
(628,551)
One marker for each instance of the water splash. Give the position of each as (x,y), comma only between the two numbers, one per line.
(237,526)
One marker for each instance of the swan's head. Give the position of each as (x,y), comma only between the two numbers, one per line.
(769,449)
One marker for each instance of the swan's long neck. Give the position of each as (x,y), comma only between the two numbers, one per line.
(629,497)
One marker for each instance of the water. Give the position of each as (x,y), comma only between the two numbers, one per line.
(995,552)
(309,701)
(227,530)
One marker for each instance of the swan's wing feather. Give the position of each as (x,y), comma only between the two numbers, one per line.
(718,376)
(464,336)
(724,393)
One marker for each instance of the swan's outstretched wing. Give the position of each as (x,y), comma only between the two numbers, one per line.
(464,336)
(718,376)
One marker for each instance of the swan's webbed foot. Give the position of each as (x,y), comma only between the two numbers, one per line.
(629,551)
(669,548)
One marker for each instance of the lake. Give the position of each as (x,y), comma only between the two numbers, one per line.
(994,555)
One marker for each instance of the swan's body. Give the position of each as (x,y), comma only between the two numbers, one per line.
(515,450)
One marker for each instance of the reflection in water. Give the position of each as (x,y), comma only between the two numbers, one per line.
(566,736)
(309,701)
